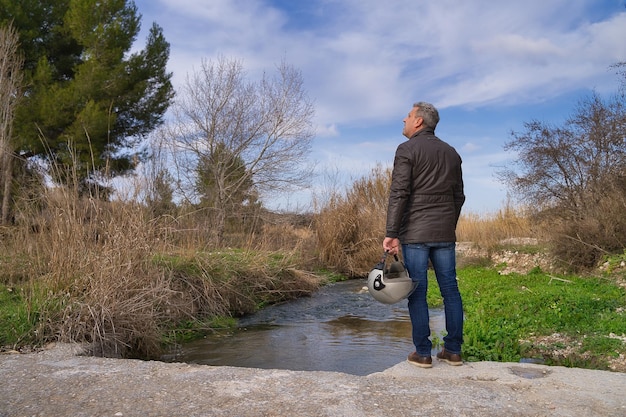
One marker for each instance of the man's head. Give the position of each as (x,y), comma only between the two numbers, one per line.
(421,116)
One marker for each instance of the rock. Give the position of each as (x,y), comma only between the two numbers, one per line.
(57,382)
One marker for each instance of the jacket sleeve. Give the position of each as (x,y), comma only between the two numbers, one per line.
(399,192)
(459,195)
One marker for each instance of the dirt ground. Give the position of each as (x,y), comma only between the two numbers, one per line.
(60,382)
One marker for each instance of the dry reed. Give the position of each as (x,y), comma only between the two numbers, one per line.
(94,273)
(488,231)
(350,228)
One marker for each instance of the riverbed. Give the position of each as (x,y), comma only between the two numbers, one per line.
(339,328)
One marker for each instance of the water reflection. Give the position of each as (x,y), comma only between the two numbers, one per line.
(339,328)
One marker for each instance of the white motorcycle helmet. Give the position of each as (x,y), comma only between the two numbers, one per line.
(390,284)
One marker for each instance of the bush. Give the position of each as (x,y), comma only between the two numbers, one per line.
(351,228)
(598,229)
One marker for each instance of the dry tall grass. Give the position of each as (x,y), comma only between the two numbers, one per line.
(350,228)
(106,274)
(90,274)
(488,230)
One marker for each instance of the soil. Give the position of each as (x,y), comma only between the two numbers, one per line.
(58,381)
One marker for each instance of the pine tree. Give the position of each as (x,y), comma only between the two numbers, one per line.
(88,99)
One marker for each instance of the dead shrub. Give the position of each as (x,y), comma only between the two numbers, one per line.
(487,231)
(93,260)
(350,229)
(580,241)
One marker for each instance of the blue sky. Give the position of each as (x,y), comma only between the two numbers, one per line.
(488,66)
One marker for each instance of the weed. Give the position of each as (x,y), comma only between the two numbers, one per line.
(193,329)
(519,315)
(15,321)
(602,345)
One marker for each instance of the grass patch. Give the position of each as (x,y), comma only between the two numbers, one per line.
(331,276)
(517,316)
(193,329)
(433,296)
(15,320)
(614,265)
(235,281)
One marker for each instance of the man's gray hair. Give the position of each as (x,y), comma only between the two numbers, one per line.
(428,113)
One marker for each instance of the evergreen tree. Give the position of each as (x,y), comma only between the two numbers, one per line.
(224,186)
(88,99)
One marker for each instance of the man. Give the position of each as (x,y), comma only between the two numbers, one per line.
(424,206)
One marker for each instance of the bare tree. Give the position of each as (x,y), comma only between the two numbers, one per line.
(252,134)
(569,166)
(10,85)
(575,175)
(620,70)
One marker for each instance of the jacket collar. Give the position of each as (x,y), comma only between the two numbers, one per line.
(427,131)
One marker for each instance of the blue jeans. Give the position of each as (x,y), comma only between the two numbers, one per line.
(443,258)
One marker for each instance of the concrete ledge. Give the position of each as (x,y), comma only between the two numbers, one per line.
(57,382)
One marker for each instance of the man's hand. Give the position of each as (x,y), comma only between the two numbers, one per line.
(391,245)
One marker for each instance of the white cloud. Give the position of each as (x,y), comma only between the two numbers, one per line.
(327,131)
(365,61)
(470,147)
(369,57)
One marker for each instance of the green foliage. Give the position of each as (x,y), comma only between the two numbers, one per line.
(227,189)
(88,98)
(16,322)
(28,310)
(331,276)
(194,329)
(160,196)
(614,264)
(505,315)
(223,179)
(40,25)
(433,297)
(602,345)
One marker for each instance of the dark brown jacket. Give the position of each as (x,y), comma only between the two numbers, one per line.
(426,190)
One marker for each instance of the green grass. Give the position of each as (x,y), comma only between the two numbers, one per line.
(331,276)
(16,322)
(507,316)
(194,329)
(613,263)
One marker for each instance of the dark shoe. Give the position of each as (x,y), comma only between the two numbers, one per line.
(421,361)
(453,359)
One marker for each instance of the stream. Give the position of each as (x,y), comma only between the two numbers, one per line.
(339,328)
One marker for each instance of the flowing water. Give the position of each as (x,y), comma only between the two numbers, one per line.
(339,328)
